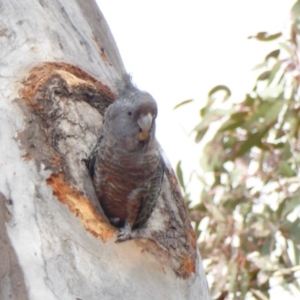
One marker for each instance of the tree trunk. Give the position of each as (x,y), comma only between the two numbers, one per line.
(59,71)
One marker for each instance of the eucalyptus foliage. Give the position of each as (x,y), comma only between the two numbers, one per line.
(247,219)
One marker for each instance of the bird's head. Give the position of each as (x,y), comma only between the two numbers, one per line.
(132,119)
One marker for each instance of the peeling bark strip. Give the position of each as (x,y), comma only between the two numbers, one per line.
(75,82)
(64,109)
(81,207)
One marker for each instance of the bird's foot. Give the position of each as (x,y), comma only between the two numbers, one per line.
(125,233)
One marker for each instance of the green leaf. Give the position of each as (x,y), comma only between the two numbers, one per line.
(231,203)
(267,248)
(296,28)
(212,116)
(230,142)
(236,120)
(265,36)
(214,159)
(249,101)
(287,48)
(180,175)
(204,111)
(281,78)
(280,210)
(217,215)
(286,170)
(239,116)
(259,112)
(286,151)
(296,253)
(230,126)
(287,206)
(259,66)
(183,103)
(245,281)
(272,113)
(274,54)
(274,71)
(252,140)
(220,88)
(233,267)
(245,208)
(294,231)
(200,134)
(295,11)
(264,76)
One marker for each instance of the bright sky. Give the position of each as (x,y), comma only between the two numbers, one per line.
(180,49)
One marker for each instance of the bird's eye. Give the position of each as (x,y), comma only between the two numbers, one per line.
(129,113)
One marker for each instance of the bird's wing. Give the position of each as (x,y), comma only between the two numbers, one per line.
(151,196)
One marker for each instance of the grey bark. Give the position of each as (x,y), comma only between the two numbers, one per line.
(59,66)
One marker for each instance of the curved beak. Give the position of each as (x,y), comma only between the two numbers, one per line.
(145,123)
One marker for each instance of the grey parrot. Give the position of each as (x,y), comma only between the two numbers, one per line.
(126,165)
